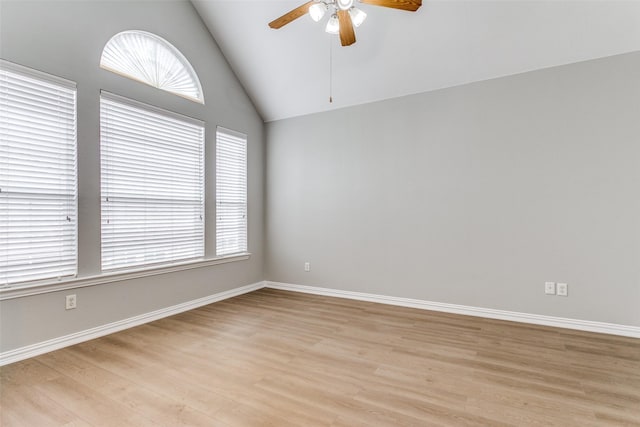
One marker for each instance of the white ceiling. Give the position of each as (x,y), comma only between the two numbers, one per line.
(445,43)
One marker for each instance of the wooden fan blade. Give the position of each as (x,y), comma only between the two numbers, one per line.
(347,34)
(291,16)
(410,5)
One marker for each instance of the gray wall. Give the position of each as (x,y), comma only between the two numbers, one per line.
(66,38)
(473,195)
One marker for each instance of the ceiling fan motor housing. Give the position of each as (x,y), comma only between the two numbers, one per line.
(344,4)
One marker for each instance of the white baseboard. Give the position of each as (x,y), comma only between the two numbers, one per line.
(89,334)
(536,319)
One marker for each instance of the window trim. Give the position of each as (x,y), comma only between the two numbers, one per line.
(12,66)
(48,286)
(149,107)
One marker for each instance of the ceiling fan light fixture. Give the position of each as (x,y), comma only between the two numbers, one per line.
(333,26)
(357,16)
(344,4)
(317,11)
(343,16)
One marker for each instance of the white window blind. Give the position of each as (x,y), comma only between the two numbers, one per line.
(231,192)
(151,59)
(152,184)
(38,192)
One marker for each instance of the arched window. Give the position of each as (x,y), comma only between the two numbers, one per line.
(150,59)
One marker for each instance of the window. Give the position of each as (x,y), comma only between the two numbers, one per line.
(152,184)
(231,192)
(152,60)
(38,192)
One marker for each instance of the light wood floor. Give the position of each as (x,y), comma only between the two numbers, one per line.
(274,358)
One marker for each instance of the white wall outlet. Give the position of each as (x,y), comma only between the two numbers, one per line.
(550,288)
(563,289)
(307,266)
(71,302)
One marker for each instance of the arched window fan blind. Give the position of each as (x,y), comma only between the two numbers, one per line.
(38,192)
(152,184)
(231,192)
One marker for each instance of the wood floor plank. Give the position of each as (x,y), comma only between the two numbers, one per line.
(276,358)
(25,406)
(88,404)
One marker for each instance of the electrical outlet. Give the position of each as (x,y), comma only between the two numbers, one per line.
(563,289)
(307,266)
(71,302)
(550,288)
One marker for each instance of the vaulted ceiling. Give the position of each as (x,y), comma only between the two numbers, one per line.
(445,43)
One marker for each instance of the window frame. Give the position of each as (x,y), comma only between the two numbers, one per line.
(243,138)
(71,144)
(157,111)
(114,59)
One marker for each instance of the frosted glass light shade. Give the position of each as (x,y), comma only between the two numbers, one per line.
(357,16)
(344,4)
(317,11)
(333,26)
(150,59)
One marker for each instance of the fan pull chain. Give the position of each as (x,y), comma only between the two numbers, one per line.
(330,70)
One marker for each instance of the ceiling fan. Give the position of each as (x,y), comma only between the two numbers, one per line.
(344,16)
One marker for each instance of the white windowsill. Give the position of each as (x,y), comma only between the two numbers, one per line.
(19,291)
